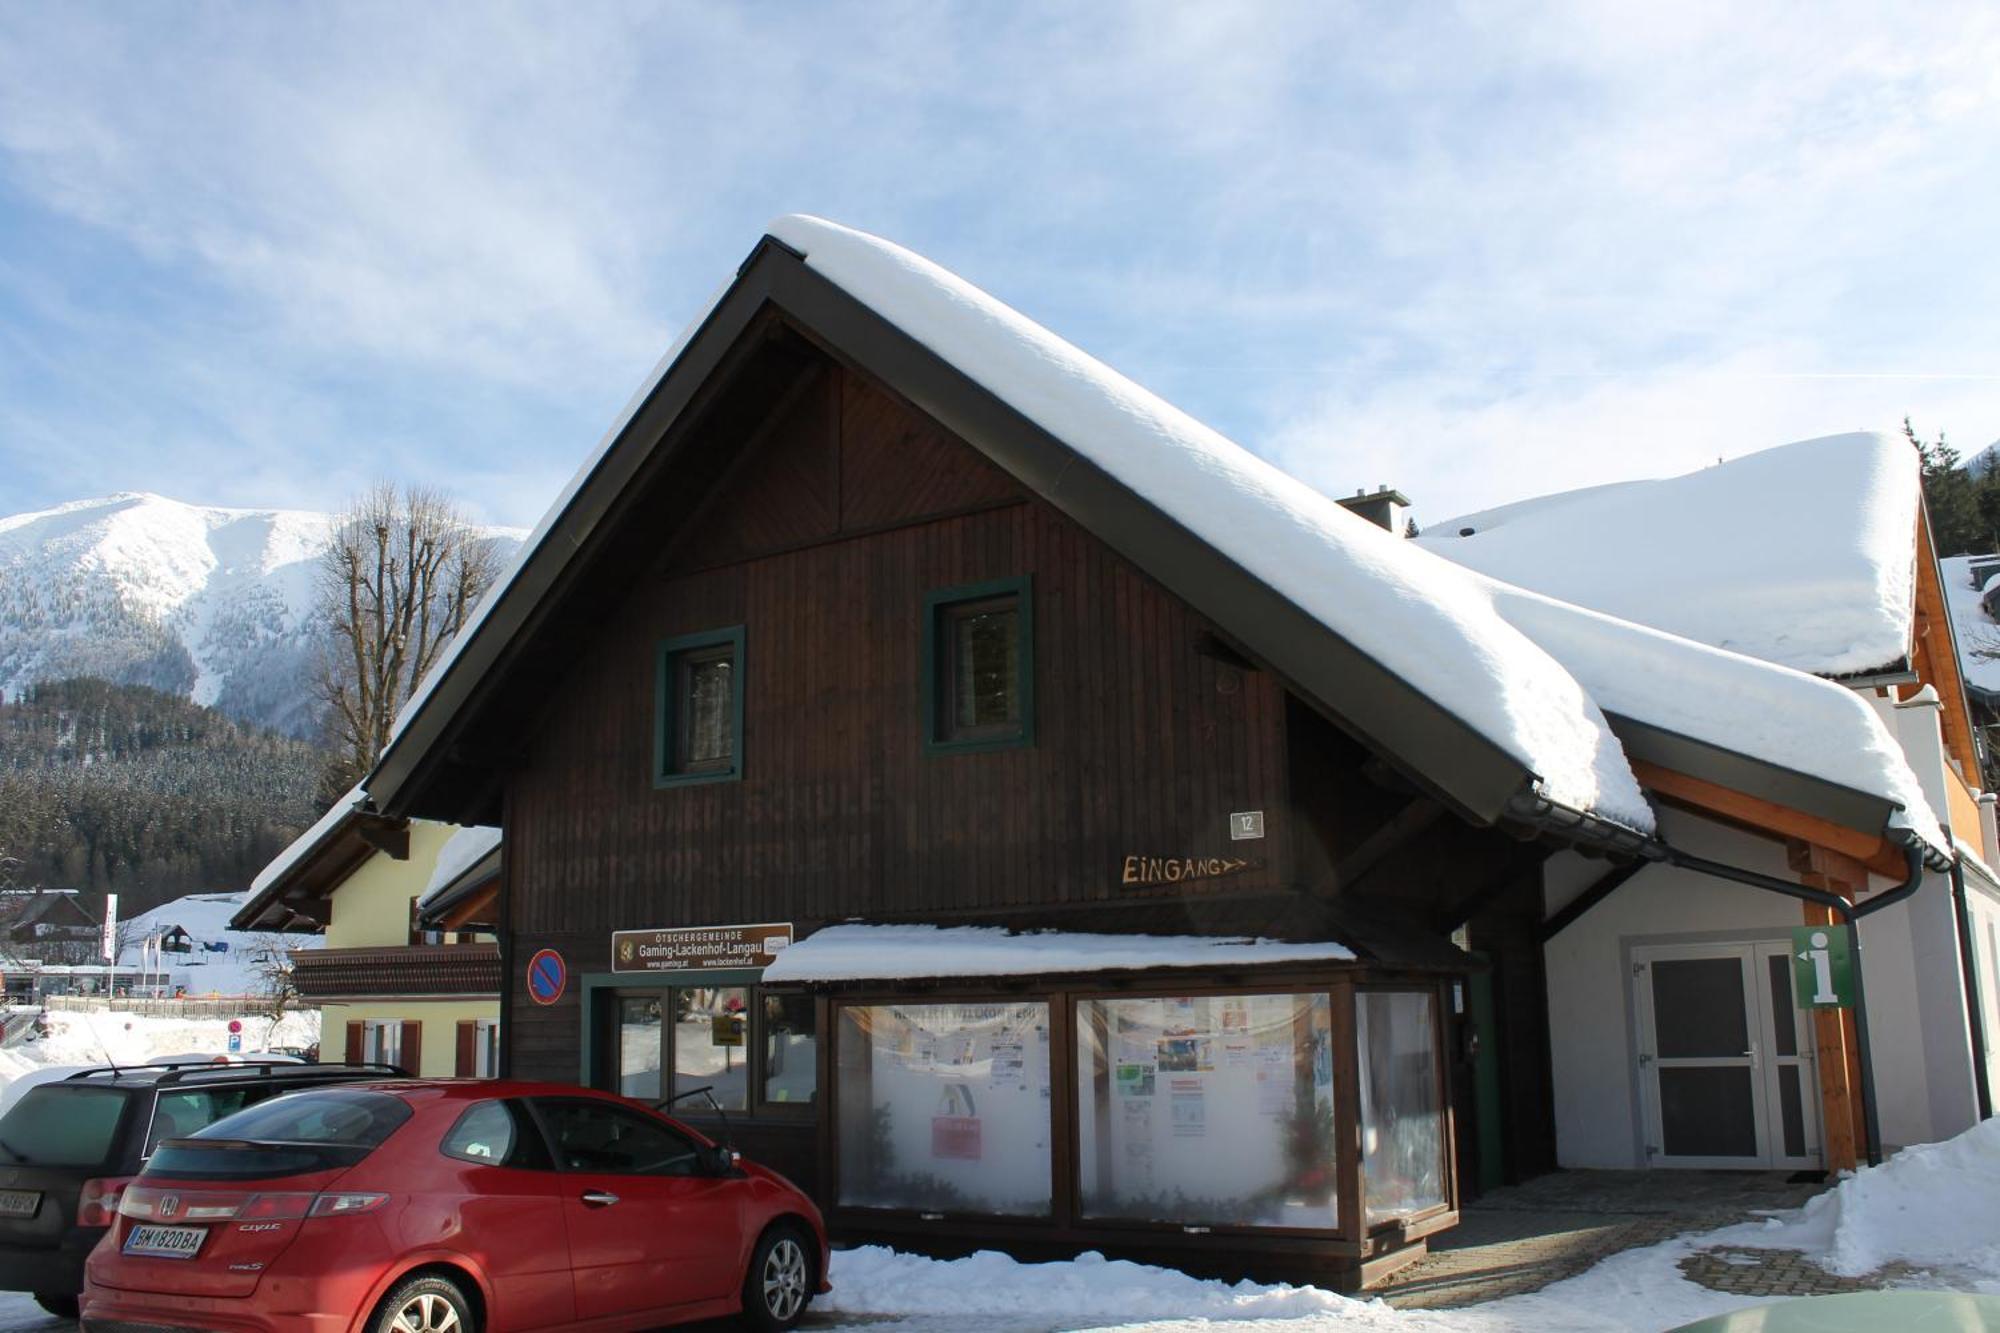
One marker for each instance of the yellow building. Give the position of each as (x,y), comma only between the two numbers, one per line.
(391,986)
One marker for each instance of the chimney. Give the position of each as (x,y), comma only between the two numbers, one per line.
(1382,506)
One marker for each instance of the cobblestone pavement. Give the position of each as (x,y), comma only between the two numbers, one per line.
(1522,1238)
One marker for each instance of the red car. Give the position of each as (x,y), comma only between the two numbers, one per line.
(446,1206)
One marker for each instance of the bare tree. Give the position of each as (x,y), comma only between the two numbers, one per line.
(396,581)
(277,992)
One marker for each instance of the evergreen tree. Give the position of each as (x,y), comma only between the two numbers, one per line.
(1962,510)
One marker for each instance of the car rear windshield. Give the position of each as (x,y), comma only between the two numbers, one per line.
(286,1136)
(60,1125)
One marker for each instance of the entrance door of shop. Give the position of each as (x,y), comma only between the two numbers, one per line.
(1725,1057)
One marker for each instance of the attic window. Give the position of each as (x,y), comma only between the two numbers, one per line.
(979,666)
(700,702)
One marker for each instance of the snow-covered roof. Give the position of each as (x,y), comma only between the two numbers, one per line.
(1802,555)
(1530,675)
(463,850)
(1785,718)
(881,953)
(1977,632)
(309,841)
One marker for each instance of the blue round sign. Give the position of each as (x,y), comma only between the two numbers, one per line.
(548,977)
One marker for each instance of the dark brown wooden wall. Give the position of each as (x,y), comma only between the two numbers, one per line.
(823,544)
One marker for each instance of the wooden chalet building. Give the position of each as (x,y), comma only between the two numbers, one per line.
(1038,822)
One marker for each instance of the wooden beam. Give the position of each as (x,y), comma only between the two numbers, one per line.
(1843,1128)
(1772,820)
(1397,832)
(389,836)
(1932,654)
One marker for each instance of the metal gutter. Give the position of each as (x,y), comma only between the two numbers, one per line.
(1975,1013)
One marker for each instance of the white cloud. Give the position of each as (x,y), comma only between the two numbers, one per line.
(1476,251)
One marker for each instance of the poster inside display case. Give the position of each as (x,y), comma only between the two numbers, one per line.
(1210,1109)
(945,1107)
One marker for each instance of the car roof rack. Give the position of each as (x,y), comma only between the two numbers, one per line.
(208,1071)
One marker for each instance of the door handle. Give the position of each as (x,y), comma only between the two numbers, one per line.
(599,1198)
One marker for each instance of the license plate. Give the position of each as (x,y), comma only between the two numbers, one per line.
(165,1242)
(19,1203)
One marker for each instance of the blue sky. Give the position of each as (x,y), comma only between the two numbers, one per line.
(259,254)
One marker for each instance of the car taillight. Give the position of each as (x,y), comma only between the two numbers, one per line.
(98,1203)
(150,1204)
(343,1205)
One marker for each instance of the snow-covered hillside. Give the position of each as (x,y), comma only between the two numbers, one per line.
(223,961)
(197,600)
(139,589)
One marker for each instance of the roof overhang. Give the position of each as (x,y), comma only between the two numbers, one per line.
(1780,801)
(435,766)
(297,899)
(465,898)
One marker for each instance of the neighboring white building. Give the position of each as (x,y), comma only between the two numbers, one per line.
(1674,1037)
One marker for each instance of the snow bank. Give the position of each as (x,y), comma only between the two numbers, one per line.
(873,953)
(81,1037)
(1935,1205)
(1413,614)
(875,1280)
(1800,555)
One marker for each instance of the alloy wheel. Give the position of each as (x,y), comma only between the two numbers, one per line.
(785,1279)
(426,1312)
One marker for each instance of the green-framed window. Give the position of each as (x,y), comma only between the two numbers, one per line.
(698,699)
(979,666)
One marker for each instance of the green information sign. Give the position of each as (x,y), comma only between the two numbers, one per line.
(1822,969)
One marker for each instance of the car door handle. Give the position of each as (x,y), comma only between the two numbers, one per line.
(599,1199)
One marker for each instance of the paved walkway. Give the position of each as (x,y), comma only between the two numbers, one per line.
(1522,1238)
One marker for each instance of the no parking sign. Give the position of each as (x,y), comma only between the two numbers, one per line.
(548,977)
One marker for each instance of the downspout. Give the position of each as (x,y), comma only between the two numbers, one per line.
(1975,1011)
(1849,915)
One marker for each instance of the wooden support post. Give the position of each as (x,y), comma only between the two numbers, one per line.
(1843,1129)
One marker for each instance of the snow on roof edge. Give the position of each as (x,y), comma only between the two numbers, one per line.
(1775,714)
(1440,634)
(307,842)
(462,851)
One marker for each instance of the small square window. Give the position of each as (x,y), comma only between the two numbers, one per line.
(979,667)
(700,682)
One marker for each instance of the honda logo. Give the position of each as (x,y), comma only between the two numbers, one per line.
(169,1204)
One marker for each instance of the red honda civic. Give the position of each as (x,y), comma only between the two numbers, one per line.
(452,1207)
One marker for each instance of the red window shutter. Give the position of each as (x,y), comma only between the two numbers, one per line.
(413,1046)
(354,1043)
(468,1042)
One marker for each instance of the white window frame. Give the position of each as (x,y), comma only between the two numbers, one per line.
(382,1041)
(486,1048)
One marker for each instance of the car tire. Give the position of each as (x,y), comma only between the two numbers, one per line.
(59,1304)
(780,1283)
(425,1305)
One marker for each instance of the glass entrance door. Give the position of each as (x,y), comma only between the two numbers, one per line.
(1724,1057)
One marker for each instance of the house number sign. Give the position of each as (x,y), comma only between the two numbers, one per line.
(682,948)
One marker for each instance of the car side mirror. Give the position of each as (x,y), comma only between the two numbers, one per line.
(717,1160)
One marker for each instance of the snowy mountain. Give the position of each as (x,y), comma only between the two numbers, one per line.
(196,600)
(1981,464)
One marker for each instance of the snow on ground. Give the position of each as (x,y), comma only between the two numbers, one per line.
(80,1038)
(230,970)
(1936,1207)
